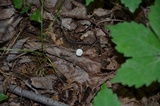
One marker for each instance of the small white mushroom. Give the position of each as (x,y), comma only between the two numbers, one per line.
(79,52)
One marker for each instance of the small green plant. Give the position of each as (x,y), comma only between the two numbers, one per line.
(3,97)
(142,46)
(36,16)
(18,4)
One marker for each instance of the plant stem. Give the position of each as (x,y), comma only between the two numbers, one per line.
(42,35)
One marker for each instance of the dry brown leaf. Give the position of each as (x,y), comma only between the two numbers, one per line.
(71,72)
(32,45)
(43,82)
(68,24)
(69,55)
(50,5)
(101,12)
(80,12)
(7,13)
(11,28)
(113,64)
(5,2)
(88,37)
(59,41)
(16,48)
(91,53)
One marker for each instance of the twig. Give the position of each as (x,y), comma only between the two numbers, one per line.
(36,97)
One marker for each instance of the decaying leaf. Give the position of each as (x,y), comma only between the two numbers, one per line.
(46,82)
(69,55)
(5,2)
(16,48)
(7,13)
(68,23)
(80,12)
(71,72)
(101,12)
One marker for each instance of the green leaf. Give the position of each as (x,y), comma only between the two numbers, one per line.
(25,9)
(135,40)
(131,4)
(3,97)
(18,3)
(139,43)
(139,71)
(36,16)
(154,17)
(105,97)
(88,2)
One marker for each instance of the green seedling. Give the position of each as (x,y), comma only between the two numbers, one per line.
(25,9)
(19,4)
(3,97)
(36,16)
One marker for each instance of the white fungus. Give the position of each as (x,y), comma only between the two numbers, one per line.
(79,52)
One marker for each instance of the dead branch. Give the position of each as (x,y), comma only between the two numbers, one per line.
(36,97)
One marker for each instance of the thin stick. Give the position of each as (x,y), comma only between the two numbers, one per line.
(42,35)
(36,97)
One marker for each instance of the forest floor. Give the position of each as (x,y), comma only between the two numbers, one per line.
(43,71)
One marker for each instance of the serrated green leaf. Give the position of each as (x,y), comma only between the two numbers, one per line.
(88,2)
(139,71)
(3,97)
(18,3)
(105,97)
(135,40)
(154,17)
(131,4)
(139,43)
(36,16)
